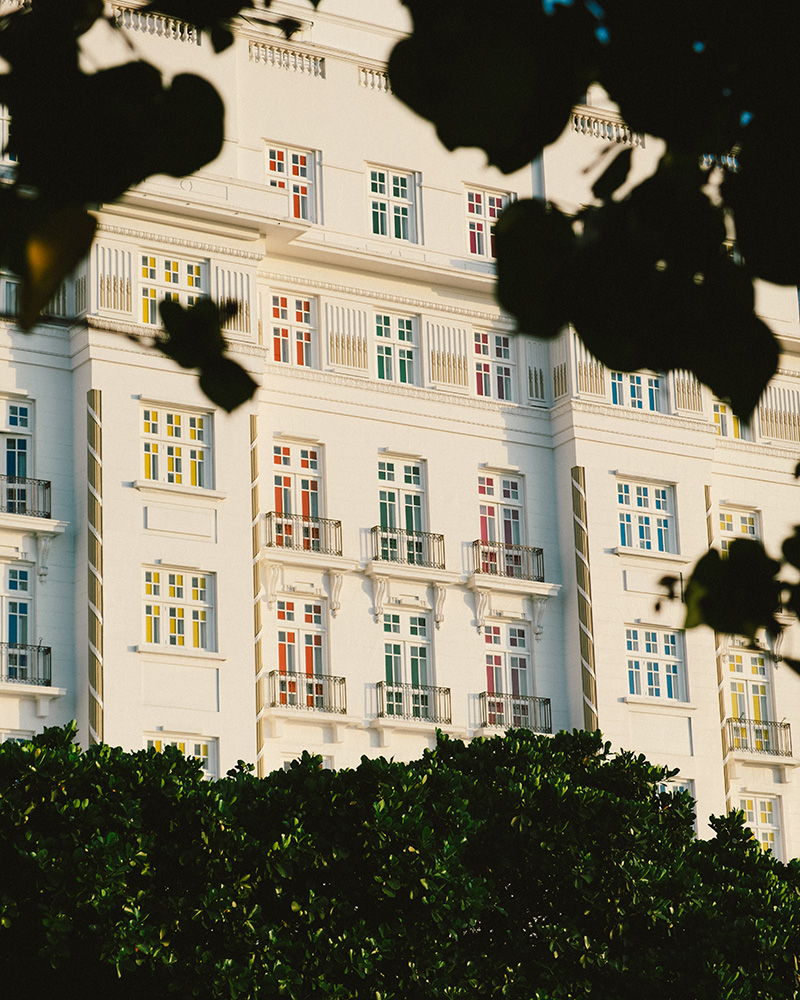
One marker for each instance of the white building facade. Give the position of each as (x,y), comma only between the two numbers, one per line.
(423,519)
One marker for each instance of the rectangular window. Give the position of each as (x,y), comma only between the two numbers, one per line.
(176,447)
(297,496)
(500,507)
(179,609)
(494,366)
(174,280)
(19,662)
(396,348)
(392,204)
(200,748)
(483,209)
(727,424)
(408,665)
(402,512)
(18,494)
(639,391)
(293,334)
(293,170)
(655,663)
(762,816)
(302,654)
(509,684)
(646,516)
(737,523)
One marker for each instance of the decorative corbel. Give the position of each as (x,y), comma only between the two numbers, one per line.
(378,595)
(481,608)
(43,543)
(439,592)
(336,590)
(539,604)
(270,577)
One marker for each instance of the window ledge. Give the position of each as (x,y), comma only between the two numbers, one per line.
(184,652)
(41,693)
(666,706)
(624,550)
(178,489)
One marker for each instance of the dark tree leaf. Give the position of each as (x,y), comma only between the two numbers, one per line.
(194,339)
(737,595)
(443,73)
(533,242)
(614,176)
(54,247)
(791,548)
(226,383)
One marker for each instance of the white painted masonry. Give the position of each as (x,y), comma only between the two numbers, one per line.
(417,520)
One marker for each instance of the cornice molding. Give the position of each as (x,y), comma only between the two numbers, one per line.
(422,305)
(160,238)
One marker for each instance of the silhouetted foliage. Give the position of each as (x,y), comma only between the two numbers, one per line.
(715,80)
(517,867)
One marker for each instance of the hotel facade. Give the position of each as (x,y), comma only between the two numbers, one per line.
(423,518)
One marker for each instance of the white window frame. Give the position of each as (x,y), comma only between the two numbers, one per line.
(177,446)
(737,522)
(407,660)
(645,391)
(647,516)
(750,698)
(301,650)
(201,748)
(17,434)
(763,816)
(293,329)
(393,204)
(179,609)
(483,208)
(7,161)
(297,491)
(495,365)
(17,619)
(509,672)
(294,171)
(656,663)
(727,424)
(501,508)
(167,277)
(397,348)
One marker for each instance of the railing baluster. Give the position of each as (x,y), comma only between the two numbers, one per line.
(515,711)
(522,562)
(19,495)
(299,531)
(308,692)
(416,548)
(22,664)
(747,736)
(421,703)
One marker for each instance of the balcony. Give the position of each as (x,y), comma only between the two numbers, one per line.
(744,736)
(25,664)
(519,562)
(411,548)
(304,533)
(310,693)
(515,710)
(24,496)
(405,701)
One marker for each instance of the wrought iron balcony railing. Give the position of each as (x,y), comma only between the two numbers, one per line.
(24,496)
(21,664)
(310,692)
(404,701)
(745,736)
(414,548)
(515,710)
(522,562)
(300,531)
